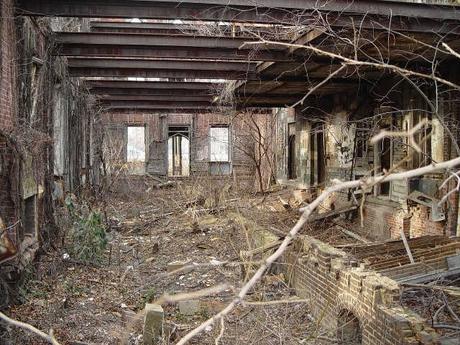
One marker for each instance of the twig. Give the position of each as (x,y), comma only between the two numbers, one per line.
(48,337)
(221,333)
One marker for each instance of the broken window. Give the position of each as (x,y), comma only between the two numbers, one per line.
(178,151)
(135,150)
(219,150)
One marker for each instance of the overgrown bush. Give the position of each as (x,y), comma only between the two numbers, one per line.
(87,237)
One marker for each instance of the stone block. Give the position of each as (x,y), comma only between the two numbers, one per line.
(189,308)
(153,324)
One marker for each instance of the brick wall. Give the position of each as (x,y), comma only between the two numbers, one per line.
(199,126)
(7,66)
(383,219)
(9,169)
(328,279)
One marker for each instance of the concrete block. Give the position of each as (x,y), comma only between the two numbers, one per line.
(153,324)
(190,307)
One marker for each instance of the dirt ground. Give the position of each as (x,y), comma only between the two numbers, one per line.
(202,225)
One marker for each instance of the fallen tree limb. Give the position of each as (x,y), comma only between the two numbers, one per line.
(307,211)
(48,337)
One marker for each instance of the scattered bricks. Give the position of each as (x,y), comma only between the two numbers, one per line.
(177,265)
(153,324)
(189,308)
(426,338)
(411,341)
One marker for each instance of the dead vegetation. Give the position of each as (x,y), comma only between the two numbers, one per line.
(200,229)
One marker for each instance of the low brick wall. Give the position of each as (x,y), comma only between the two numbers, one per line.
(383,219)
(334,284)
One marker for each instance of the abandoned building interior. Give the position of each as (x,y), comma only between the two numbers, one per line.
(229,172)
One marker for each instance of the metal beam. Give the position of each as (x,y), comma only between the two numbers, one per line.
(223,29)
(155,98)
(163,46)
(338,21)
(254,100)
(150,28)
(155,105)
(152,92)
(172,53)
(271,11)
(123,110)
(153,85)
(79,67)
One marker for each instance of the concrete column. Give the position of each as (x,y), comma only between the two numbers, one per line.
(153,324)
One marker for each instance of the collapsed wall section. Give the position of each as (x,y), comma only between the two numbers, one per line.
(357,305)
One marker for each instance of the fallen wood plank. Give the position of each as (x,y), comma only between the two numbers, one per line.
(418,279)
(353,235)
(260,250)
(406,245)
(332,213)
(166,184)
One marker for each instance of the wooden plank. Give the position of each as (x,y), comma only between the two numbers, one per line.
(332,213)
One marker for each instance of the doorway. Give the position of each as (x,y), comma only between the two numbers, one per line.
(291,158)
(317,155)
(178,151)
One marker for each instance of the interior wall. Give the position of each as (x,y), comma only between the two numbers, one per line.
(242,144)
(345,124)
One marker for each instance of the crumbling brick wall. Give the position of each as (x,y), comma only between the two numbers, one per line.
(7,66)
(9,168)
(27,84)
(333,284)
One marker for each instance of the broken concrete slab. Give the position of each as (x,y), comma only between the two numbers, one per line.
(190,307)
(153,324)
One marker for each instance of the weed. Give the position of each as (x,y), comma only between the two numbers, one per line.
(88,239)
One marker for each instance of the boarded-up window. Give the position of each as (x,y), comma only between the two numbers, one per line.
(136,144)
(219,144)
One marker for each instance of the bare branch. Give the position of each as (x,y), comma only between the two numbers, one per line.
(48,337)
(307,211)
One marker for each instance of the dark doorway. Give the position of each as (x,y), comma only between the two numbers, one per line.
(349,330)
(317,155)
(291,162)
(385,164)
